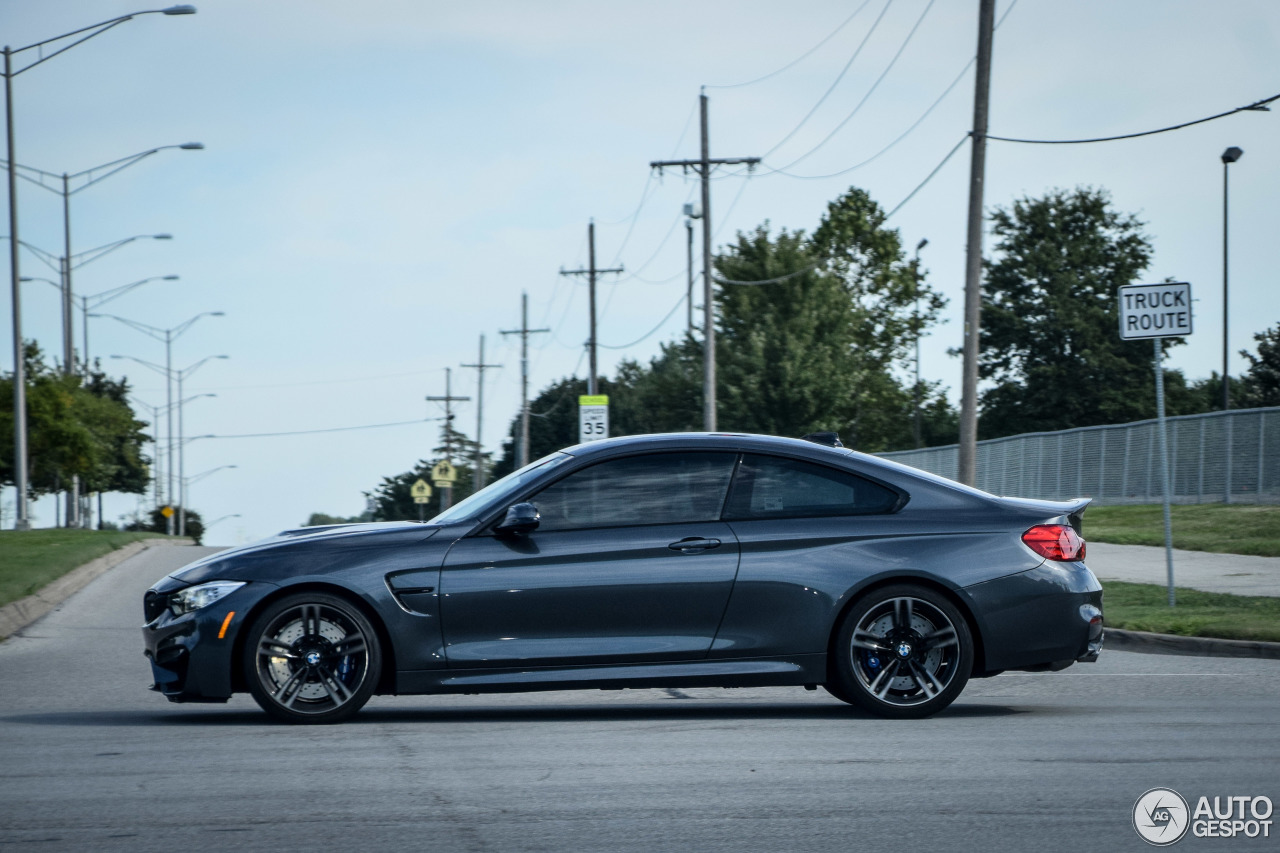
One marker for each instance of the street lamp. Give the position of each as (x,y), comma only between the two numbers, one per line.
(97,300)
(1229,156)
(180,376)
(22,519)
(915,328)
(195,478)
(63,187)
(63,267)
(224,518)
(168,336)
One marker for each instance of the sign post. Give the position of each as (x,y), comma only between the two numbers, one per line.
(1158,311)
(593,417)
(421,496)
(444,475)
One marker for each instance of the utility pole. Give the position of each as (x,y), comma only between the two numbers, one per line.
(915,292)
(703,167)
(522,451)
(446,492)
(591,272)
(973,258)
(480,367)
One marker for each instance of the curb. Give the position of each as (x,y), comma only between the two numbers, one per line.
(1172,644)
(19,614)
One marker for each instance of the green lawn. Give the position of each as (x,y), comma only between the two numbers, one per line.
(1222,528)
(1145,607)
(31,559)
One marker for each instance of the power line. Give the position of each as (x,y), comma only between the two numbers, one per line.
(927,179)
(839,77)
(777,280)
(652,331)
(802,57)
(315,431)
(816,265)
(314,382)
(1258,106)
(770,170)
(870,91)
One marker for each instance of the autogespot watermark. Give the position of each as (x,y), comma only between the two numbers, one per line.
(1162,817)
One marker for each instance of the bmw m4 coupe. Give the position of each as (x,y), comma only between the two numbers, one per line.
(684,560)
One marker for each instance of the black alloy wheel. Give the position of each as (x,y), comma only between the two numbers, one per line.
(903,651)
(312,658)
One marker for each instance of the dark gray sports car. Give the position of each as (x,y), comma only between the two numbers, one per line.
(686,560)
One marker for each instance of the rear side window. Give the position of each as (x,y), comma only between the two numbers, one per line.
(774,487)
(655,488)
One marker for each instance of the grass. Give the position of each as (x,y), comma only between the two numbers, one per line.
(1145,607)
(31,559)
(1220,528)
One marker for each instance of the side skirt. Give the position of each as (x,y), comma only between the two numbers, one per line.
(750,672)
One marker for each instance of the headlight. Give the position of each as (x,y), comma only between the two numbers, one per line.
(202,595)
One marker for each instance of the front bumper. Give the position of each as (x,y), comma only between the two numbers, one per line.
(1046,618)
(192,655)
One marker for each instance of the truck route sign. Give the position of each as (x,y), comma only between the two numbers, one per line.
(1155,311)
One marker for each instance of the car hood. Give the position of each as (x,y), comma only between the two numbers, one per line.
(246,560)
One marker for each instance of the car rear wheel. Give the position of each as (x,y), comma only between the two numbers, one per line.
(312,658)
(903,651)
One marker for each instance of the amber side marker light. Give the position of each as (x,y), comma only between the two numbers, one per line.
(222,632)
(1056,542)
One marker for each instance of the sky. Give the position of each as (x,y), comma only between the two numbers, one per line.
(382,181)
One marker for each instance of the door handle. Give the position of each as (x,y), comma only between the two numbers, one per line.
(694,545)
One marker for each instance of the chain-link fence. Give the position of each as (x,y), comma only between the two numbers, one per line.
(1220,456)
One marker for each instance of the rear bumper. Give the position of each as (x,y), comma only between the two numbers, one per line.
(1046,618)
(192,655)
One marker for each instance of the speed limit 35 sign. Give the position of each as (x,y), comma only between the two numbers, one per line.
(593,417)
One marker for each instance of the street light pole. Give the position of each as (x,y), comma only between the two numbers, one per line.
(62,185)
(168,336)
(22,517)
(64,266)
(1229,156)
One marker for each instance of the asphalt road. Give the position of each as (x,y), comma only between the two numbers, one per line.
(90,760)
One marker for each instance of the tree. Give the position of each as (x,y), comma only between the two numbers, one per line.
(320,519)
(1262,381)
(74,429)
(1050,341)
(786,351)
(821,349)
(105,410)
(155,522)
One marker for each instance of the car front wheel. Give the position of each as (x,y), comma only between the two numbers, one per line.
(903,651)
(312,658)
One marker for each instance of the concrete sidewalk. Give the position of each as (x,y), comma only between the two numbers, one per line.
(1233,573)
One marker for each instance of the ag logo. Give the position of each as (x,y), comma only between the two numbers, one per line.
(1160,816)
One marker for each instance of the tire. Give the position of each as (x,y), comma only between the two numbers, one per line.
(903,652)
(312,658)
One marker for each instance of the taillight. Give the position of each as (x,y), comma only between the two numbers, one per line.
(1058,542)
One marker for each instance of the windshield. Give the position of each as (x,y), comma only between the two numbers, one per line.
(500,492)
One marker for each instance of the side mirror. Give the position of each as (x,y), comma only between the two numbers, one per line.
(520,520)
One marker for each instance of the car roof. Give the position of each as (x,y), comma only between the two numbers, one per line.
(705,441)
(917,482)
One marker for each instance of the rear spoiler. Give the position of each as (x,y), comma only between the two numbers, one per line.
(1072,509)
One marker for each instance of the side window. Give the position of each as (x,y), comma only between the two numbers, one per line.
(654,488)
(773,487)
